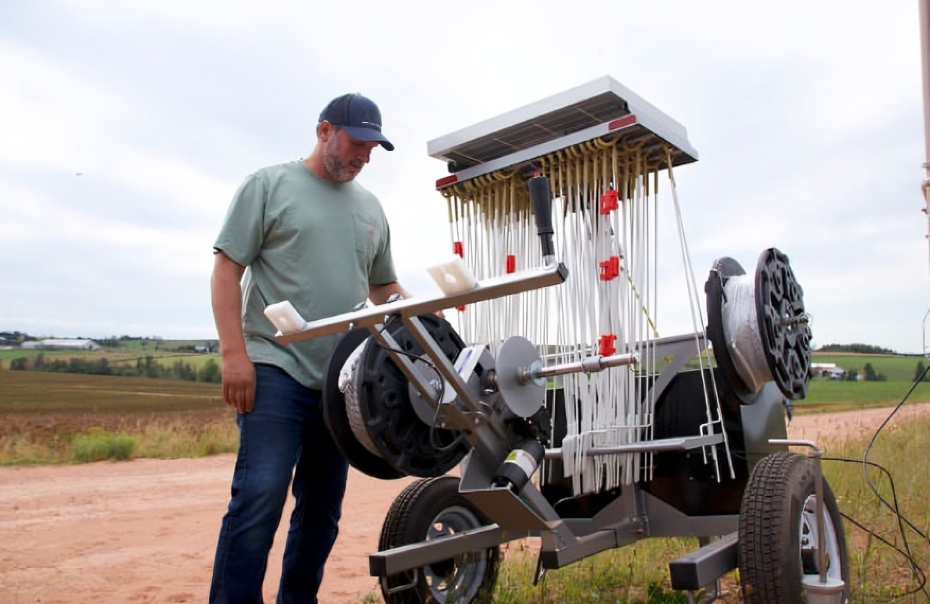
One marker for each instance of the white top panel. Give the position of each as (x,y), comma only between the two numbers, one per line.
(556,117)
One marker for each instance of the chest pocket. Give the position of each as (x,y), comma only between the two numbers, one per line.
(367,240)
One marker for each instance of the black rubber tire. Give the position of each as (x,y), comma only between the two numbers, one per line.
(426,509)
(777,508)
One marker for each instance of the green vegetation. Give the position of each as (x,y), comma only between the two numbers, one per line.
(825,395)
(637,573)
(149,357)
(854,349)
(897,368)
(899,371)
(880,569)
(101,364)
(98,445)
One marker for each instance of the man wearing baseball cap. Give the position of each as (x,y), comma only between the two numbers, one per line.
(305,232)
(359,116)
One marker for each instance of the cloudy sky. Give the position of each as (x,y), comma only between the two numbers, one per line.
(125,127)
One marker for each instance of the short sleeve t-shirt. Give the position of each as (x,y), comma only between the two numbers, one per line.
(314,243)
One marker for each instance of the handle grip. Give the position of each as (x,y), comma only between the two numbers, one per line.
(541,198)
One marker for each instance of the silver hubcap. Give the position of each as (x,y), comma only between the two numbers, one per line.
(458,578)
(810,562)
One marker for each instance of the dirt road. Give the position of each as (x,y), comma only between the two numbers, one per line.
(144,531)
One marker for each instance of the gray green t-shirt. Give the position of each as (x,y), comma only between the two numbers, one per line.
(314,243)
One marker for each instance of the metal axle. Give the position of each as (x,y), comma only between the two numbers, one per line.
(588,365)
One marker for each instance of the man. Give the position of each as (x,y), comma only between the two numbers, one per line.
(306,232)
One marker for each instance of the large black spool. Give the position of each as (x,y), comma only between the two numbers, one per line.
(782,323)
(406,446)
(722,270)
(337,418)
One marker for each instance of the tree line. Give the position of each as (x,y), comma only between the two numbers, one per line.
(856,348)
(147,366)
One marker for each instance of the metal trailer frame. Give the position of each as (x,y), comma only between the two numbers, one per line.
(634,515)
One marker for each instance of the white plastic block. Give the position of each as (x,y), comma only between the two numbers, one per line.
(285,317)
(453,276)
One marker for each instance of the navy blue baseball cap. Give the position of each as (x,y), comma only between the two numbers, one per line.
(360,117)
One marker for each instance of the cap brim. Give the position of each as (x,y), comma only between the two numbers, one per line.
(368,134)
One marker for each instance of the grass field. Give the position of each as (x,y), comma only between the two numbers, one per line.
(897,368)
(40,410)
(129,351)
(42,415)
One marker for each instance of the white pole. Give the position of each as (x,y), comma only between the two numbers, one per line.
(924,10)
(925,63)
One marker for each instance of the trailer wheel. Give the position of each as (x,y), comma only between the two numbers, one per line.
(778,531)
(425,510)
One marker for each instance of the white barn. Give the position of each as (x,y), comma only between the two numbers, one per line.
(61,344)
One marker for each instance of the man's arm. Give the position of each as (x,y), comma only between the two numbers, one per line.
(379,294)
(226,296)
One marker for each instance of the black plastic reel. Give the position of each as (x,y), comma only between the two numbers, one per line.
(783,323)
(406,442)
(337,418)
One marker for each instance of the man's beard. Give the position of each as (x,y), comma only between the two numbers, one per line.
(339,171)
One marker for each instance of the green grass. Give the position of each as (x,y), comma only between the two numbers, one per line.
(637,573)
(879,573)
(827,395)
(834,395)
(896,368)
(98,445)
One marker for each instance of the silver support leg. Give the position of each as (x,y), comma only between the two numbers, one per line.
(407,557)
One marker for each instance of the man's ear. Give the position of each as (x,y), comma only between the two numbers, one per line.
(324,130)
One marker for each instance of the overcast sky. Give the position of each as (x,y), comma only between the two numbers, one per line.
(125,128)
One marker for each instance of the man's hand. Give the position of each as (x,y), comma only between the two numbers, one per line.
(226,297)
(388,292)
(239,382)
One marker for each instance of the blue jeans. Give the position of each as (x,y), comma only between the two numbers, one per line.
(284,433)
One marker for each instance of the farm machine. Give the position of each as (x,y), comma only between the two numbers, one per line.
(554,410)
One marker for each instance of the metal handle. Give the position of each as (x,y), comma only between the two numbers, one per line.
(541,198)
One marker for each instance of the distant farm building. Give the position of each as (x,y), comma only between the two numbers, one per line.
(60,344)
(828,370)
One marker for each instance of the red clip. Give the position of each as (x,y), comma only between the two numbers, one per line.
(458,249)
(511,263)
(609,201)
(610,268)
(460,308)
(606,345)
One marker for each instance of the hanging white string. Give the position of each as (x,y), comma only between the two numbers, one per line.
(493,221)
(711,403)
